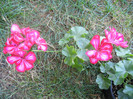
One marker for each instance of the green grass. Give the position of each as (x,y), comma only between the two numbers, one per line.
(51,78)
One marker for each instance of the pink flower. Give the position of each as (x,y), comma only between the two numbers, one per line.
(16,33)
(25,30)
(32,36)
(115,38)
(102,51)
(23,61)
(11,46)
(41,44)
(19,43)
(15,29)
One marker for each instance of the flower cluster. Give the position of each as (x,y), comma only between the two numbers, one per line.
(104,48)
(19,46)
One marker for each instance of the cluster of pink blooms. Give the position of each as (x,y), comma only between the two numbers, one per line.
(19,46)
(104,48)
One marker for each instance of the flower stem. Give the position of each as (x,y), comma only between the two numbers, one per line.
(45,51)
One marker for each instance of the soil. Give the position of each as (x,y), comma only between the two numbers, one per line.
(107,94)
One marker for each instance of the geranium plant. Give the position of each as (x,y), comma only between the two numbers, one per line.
(119,70)
(99,51)
(77,50)
(19,47)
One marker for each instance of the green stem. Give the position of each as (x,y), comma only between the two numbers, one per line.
(45,51)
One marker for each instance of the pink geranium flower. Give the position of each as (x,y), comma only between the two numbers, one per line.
(116,38)
(19,43)
(102,51)
(16,33)
(32,36)
(41,44)
(11,46)
(23,61)
(15,29)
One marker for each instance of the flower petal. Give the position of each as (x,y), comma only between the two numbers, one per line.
(42,47)
(32,36)
(25,30)
(93,60)
(124,44)
(91,53)
(18,37)
(21,67)
(95,41)
(106,47)
(104,56)
(9,49)
(28,65)
(20,53)
(23,46)
(15,29)
(30,57)
(40,41)
(13,59)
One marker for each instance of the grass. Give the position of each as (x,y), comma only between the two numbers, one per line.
(51,78)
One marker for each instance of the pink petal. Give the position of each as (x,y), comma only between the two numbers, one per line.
(25,31)
(9,49)
(13,59)
(106,47)
(42,47)
(93,60)
(15,29)
(28,65)
(30,57)
(18,37)
(124,44)
(91,53)
(95,41)
(40,41)
(106,33)
(113,33)
(33,35)
(11,41)
(120,38)
(20,53)
(104,40)
(21,67)
(23,46)
(104,56)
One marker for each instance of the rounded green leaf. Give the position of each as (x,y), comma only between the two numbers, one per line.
(103,82)
(82,42)
(128,90)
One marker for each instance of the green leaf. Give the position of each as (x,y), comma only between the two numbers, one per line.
(122,95)
(122,52)
(78,64)
(69,51)
(69,61)
(117,78)
(82,42)
(70,54)
(103,82)
(105,67)
(128,90)
(120,68)
(63,41)
(81,54)
(128,66)
(78,32)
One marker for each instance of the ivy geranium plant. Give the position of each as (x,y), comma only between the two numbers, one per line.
(78,49)
(74,45)
(99,50)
